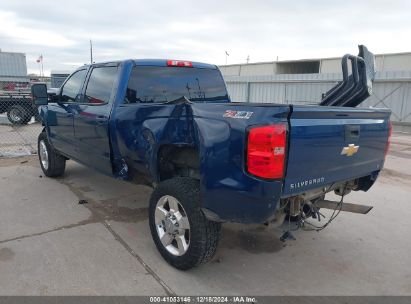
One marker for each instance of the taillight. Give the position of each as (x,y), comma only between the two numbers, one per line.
(387,147)
(266,151)
(177,63)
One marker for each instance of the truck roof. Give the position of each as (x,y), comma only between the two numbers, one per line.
(163,62)
(159,62)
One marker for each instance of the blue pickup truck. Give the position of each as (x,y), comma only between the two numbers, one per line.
(171,124)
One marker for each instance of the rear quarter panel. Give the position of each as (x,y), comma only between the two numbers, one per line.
(226,188)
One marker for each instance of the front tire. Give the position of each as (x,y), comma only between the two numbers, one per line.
(182,234)
(52,163)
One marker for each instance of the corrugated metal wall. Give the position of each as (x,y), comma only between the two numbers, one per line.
(391,89)
(13,65)
(383,63)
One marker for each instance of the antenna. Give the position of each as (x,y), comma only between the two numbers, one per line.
(91,51)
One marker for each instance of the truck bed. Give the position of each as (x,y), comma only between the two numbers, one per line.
(316,139)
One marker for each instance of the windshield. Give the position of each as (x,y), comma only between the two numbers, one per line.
(153,84)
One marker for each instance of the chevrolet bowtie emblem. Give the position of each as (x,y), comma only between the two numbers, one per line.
(350,150)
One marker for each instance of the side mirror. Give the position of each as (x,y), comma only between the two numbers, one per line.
(39,94)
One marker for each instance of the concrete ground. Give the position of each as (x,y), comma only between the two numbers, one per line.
(51,245)
(18,140)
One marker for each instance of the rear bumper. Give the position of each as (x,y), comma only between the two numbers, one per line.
(368,170)
(256,201)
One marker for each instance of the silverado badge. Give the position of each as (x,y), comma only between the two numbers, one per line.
(350,150)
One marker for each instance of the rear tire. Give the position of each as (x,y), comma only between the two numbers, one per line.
(52,163)
(198,235)
(18,115)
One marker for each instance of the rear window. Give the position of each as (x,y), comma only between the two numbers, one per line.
(150,84)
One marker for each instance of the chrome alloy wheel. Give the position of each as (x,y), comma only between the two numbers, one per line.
(172,225)
(44,155)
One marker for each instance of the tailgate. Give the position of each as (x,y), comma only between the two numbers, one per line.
(332,144)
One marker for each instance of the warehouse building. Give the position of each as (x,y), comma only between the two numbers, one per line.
(13,67)
(57,77)
(304,82)
(383,63)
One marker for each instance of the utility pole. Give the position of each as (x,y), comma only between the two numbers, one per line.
(91,52)
(42,69)
(226,57)
(38,61)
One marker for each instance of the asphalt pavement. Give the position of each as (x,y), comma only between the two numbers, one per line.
(52,245)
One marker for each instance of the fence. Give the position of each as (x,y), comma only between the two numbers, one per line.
(391,90)
(19,126)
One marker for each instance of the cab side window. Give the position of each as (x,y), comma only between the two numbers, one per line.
(71,89)
(100,85)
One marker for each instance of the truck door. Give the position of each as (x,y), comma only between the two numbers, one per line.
(91,120)
(60,114)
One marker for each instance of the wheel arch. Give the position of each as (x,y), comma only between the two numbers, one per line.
(177,161)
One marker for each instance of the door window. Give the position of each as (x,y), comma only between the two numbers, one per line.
(100,85)
(71,89)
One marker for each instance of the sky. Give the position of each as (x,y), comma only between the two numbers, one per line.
(200,30)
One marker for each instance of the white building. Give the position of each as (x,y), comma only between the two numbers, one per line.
(304,82)
(383,62)
(13,67)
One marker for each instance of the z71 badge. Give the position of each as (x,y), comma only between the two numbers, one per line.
(238,114)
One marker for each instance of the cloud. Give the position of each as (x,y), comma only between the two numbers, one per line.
(28,35)
(200,30)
